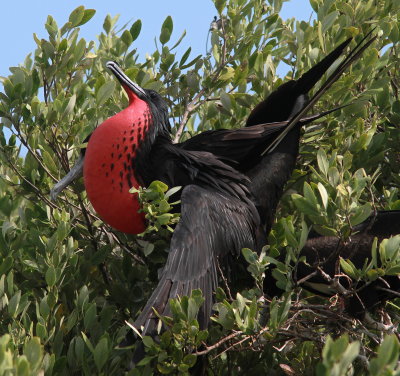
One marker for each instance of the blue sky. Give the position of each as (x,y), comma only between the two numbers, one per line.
(23,18)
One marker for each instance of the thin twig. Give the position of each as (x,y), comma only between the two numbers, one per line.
(218,344)
(225,282)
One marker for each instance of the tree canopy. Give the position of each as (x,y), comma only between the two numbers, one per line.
(68,282)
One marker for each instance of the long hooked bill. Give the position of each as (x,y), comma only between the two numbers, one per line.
(75,172)
(125,80)
(353,55)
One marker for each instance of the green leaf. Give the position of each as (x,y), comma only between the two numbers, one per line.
(148,341)
(349,355)
(303,235)
(194,61)
(90,316)
(349,268)
(33,352)
(41,331)
(76,16)
(361,214)
(164,219)
(220,5)
(392,246)
(328,21)
(164,206)
(101,353)
(87,16)
(388,355)
(304,205)
(126,37)
(105,92)
(190,360)
(309,194)
(325,230)
(14,304)
(148,249)
(227,74)
(185,57)
(50,276)
(166,30)
(44,308)
(323,163)
(193,309)
(179,40)
(7,263)
(324,195)
(87,342)
(23,367)
(135,29)
(333,176)
(249,255)
(107,24)
(226,100)
(158,186)
(70,106)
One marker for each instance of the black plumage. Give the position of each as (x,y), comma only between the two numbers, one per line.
(322,259)
(212,225)
(218,218)
(267,148)
(213,161)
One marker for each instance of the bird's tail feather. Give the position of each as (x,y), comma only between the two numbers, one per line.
(352,56)
(147,322)
(307,81)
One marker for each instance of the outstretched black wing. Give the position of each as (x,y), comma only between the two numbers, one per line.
(309,79)
(242,147)
(211,226)
(289,101)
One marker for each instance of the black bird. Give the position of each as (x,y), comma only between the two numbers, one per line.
(322,254)
(267,154)
(219,216)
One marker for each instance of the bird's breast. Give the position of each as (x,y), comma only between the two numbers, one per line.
(108,170)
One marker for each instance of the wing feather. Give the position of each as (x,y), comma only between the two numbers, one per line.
(212,225)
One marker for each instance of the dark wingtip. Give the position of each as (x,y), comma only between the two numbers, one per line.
(307,81)
(354,54)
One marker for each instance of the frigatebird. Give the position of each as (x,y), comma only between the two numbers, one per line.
(219,213)
(268,159)
(322,254)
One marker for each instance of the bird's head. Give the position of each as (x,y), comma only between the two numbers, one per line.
(115,150)
(140,97)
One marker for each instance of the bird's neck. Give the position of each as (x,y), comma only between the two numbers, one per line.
(270,175)
(148,163)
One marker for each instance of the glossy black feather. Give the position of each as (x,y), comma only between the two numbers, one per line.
(212,225)
(204,164)
(289,101)
(241,148)
(279,104)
